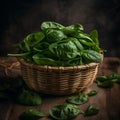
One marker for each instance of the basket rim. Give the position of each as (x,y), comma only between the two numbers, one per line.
(57,68)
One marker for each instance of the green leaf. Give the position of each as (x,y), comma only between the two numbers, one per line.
(78,99)
(76,61)
(94,36)
(84,38)
(70,30)
(107,81)
(91,56)
(114,77)
(78,44)
(23,46)
(33,39)
(64,111)
(49,24)
(101,78)
(92,92)
(31,114)
(28,97)
(105,84)
(43,46)
(41,60)
(66,49)
(54,35)
(87,41)
(30,41)
(91,110)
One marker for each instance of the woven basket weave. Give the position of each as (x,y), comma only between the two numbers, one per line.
(58,80)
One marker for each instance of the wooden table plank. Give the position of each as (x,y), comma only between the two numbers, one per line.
(108,100)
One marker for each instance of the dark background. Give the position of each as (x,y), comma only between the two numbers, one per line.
(21,17)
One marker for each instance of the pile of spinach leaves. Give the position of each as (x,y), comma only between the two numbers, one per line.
(58,45)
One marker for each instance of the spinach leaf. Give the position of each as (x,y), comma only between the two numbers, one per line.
(31,114)
(70,30)
(91,56)
(105,84)
(94,36)
(76,61)
(23,46)
(107,81)
(78,99)
(41,60)
(49,24)
(54,35)
(91,110)
(102,81)
(28,58)
(31,40)
(34,38)
(64,111)
(87,41)
(92,92)
(28,97)
(66,49)
(43,46)
(78,44)
(84,38)
(115,77)
(101,78)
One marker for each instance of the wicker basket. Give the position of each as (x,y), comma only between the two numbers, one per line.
(58,80)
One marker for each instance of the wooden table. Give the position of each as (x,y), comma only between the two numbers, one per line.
(108,100)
